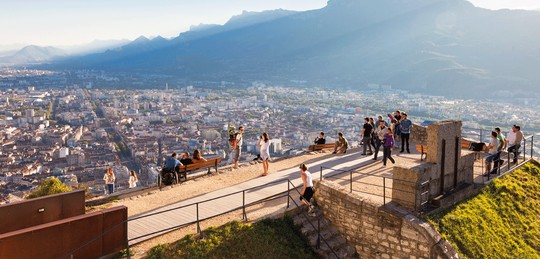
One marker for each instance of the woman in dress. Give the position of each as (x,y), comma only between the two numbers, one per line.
(264,145)
(132,179)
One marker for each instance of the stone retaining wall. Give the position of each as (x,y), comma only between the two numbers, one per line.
(380,231)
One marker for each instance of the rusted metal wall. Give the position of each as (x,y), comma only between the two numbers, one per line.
(41,210)
(85,236)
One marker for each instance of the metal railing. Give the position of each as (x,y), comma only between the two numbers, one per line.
(510,165)
(198,220)
(381,184)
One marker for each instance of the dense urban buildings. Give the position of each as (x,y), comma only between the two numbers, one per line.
(74,125)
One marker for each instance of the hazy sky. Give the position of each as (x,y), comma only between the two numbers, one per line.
(68,22)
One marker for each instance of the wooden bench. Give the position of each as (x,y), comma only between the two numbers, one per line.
(465,144)
(423,151)
(210,163)
(320,147)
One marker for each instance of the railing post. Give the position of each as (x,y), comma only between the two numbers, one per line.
(524,149)
(318,244)
(350,180)
(288,193)
(481,135)
(509,160)
(244,215)
(198,223)
(532,146)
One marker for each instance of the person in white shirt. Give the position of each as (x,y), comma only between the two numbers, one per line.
(109,179)
(132,179)
(307,191)
(514,143)
(493,151)
(264,145)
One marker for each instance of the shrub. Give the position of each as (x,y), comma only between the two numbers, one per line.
(50,186)
(268,238)
(501,222)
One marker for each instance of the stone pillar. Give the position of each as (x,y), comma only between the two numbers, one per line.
(442,139)
(410,186)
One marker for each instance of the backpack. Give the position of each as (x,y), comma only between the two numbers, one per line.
(232,136)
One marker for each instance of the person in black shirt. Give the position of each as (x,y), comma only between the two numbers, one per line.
(186,160)
(320,139)
(367,130)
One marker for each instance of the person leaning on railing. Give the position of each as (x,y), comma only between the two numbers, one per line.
(515,137)
(493,150)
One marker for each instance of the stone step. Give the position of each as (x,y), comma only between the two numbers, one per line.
(346,251)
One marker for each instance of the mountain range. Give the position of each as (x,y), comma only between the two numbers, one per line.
(446,47)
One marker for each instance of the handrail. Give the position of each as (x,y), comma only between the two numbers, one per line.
(198,220)
(384,178)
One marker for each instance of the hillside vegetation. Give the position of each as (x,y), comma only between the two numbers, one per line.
(503,221)
(268,238)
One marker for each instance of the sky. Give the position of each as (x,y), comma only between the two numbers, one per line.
(73,22)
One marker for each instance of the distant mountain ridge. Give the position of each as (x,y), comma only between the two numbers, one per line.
(446,47)
(34,54)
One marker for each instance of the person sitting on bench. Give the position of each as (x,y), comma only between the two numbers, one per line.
(341,145)
(320,139)
(493,151)
(197,157)
(186,159)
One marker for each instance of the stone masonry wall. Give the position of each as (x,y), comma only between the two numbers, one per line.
(380,231)
(419,134)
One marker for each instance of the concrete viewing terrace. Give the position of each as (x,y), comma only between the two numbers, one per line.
(369,179)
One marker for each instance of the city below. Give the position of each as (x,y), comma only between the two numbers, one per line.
(74,125)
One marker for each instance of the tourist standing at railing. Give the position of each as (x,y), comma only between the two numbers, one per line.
(405,126)
(381,119)
(132,179)
(109,179)
(238,146)
(514,141)
(501,139)
(264,145)
(373,136)
(341,144)
(367,129)
(307,189)
(493,151)
(379,137)
(388,144)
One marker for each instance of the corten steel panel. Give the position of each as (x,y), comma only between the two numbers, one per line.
(25,214)
(115,227)
(81,235)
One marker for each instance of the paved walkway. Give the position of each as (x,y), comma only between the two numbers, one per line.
(369,177)
(273,184)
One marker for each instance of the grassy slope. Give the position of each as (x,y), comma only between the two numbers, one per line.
(501,222)
(269,238)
